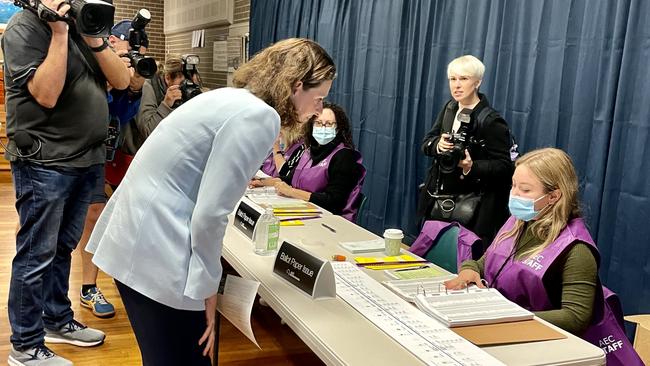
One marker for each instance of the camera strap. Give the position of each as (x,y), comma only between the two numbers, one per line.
(88,57)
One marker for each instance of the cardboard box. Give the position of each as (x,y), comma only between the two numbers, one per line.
(642,335)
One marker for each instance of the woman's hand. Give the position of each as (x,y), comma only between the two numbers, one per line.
(464,278)
(172,95)
(466,163)
(264,182)
(276,145)
(444,144)
(284,189)
(209,335)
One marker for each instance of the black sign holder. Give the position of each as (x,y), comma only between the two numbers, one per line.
(311,275)
(246,216)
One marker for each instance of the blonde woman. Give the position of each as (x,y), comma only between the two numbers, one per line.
(480,166)
(161,233)
(544,259)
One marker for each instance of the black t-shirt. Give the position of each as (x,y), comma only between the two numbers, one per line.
(79,121)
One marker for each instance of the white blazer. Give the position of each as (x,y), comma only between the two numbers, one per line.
(161,232)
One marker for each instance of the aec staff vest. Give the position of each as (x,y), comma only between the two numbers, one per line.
(521,282)
(315,178)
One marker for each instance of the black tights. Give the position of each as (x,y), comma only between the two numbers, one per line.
(166,336)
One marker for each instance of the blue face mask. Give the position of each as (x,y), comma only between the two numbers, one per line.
(324,135)
(523,208)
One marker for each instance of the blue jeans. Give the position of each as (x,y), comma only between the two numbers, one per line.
(52,203)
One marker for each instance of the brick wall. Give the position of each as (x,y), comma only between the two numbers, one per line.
(181,42)
(242,11)
(126,9)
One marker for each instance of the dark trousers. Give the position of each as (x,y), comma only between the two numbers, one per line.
(52,203)
(166,336)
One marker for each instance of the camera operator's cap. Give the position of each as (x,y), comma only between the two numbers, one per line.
(121,31)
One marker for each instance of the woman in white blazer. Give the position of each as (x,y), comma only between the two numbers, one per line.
(160,235)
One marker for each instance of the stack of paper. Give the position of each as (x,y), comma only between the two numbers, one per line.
(408,289)
(427,272)
(472,306)
(294,216)
(398,261)
(366,246)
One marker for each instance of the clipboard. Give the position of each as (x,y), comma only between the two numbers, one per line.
(508,333)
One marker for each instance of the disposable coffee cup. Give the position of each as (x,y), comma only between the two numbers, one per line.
(393,239)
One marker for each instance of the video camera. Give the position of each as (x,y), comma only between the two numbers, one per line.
(145,66)
(94,18)
(189,89)
(448,160)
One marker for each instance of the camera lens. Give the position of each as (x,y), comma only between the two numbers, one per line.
(144,66)
(447,162)
(93,19)
(89,18)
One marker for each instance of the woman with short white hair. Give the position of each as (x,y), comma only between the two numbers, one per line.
(469,179)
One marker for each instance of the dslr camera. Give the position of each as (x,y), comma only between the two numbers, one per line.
(189,89)
(94,18)
(448,160)
(145,66)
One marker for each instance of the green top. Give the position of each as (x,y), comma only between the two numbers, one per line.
(570,283)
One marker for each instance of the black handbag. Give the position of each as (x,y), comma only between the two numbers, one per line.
(461,208)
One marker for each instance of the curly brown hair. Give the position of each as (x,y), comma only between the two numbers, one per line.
(343,128)
(272,73)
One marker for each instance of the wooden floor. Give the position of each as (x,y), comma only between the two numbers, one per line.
(280,346)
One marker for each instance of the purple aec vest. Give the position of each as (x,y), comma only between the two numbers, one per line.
(315,178)
(433,229)
(521,281)
(268,166)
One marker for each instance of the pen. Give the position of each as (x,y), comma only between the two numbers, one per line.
(292,218)
(390,263)
(328,227)
(410,269)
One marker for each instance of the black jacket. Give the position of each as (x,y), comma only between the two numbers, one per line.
(491,171)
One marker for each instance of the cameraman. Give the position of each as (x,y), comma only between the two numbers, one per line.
(484,167)
(57,120)
(123,105)
(159,97)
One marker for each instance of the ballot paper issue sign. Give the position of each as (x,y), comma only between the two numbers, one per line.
(308,273)
(246,217)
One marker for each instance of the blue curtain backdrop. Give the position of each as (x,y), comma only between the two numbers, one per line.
(570,74)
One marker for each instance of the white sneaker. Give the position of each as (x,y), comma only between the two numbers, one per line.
(36,356)
(76,334)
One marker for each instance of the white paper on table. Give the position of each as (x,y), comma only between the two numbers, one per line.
(236,304)
(261,175)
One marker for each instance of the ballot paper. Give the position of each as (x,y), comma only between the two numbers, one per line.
(236,304)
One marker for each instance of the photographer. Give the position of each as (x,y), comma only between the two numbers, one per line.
(159,97)
(123,105)
(57,119)
(472,168)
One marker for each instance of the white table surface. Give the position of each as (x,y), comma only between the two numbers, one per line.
(340,335)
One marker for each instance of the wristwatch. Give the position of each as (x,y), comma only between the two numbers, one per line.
(102,47)
(280,152)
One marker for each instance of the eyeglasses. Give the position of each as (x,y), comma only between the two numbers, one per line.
(318,123)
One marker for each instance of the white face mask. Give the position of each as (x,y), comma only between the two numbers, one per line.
(324,135)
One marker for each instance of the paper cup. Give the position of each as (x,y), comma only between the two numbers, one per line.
(393,239)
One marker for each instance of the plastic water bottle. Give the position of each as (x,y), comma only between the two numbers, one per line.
(267,232)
